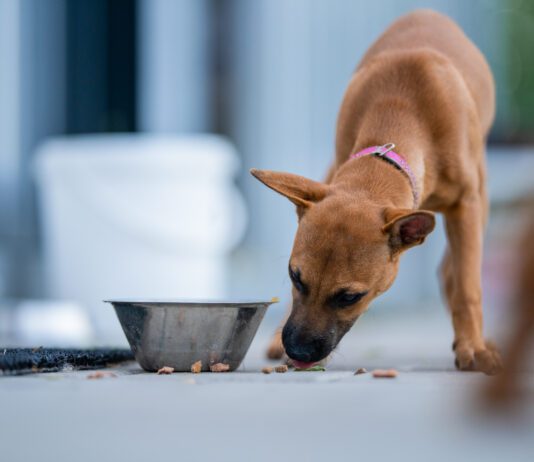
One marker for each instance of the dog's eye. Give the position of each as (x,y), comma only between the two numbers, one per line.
(343,298)
(297,282)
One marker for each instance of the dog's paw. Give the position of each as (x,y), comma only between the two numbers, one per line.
(275,350)
(470,358)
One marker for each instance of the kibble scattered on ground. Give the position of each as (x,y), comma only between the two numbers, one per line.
(196,368)
(101,375)
(219,367)
(165,370)
(385,373)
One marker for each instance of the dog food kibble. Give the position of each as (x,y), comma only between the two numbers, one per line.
(219,367)
(385,373)
(101,375)
(267,370)
(196,368)
(281,369)
(165,370)
(311,369)
(361,370)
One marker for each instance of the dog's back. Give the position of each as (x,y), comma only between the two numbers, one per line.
(432,31)
(425,74)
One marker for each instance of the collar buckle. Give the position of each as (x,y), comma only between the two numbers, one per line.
(384,149)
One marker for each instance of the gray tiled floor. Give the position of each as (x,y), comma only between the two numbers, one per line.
(427,413)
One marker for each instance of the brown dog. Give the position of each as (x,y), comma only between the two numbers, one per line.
(424,86)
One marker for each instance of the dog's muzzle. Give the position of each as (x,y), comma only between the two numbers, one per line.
(304,347)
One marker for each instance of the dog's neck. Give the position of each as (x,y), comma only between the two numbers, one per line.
(372,179)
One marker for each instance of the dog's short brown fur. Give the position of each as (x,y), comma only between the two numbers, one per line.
(424,86)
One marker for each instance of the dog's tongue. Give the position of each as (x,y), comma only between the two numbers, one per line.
(302,365)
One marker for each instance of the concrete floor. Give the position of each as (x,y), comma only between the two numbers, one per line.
(427,413)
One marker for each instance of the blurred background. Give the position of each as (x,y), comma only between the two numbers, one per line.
(127,129)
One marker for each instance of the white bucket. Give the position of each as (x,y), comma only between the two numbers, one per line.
(137,216)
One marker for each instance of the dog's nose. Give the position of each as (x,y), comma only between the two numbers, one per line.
(301,353)
(302,347)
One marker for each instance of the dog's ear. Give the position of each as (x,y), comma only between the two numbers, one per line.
(407,228)
(303,192)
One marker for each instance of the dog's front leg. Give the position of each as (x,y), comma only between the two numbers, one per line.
(275,350)
(464,224)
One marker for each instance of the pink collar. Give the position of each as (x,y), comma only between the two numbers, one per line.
(386,152)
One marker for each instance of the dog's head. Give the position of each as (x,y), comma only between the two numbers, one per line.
(344,255)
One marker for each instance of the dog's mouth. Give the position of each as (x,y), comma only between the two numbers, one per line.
(302,364)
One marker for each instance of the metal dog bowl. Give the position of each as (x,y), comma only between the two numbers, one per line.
(177,334)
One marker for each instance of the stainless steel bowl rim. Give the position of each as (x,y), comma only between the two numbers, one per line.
(203,303)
